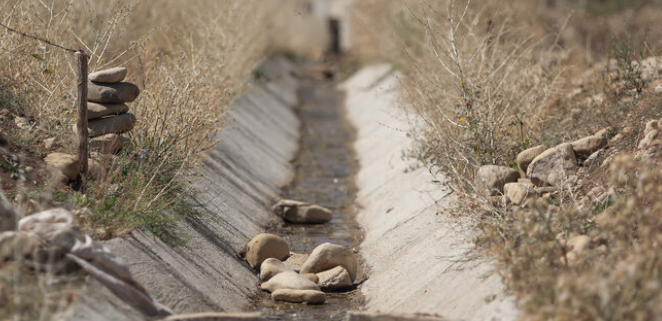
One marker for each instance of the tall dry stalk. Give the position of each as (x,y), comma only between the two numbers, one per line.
(473,76)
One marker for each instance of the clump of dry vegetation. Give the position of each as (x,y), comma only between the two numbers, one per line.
(190,61)
(494,78)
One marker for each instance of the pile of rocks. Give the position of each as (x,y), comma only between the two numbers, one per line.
(301,278)
(108,118)
(541,170)
(107,113)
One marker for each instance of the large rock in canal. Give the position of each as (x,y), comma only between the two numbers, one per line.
(328,256)
(264,246)
(335,279)
(289,280)
(299,296)
(272,267)
(300,212)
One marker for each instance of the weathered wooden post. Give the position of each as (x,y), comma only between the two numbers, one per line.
(81,104)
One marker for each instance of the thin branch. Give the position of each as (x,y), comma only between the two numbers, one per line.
(37,38)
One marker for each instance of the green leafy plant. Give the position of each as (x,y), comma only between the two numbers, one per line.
(17,171)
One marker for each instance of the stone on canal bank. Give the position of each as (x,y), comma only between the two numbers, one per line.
(553,167)
(490,179)
(66,164)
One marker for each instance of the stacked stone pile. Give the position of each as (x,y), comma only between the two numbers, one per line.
(108,115)
(301,278)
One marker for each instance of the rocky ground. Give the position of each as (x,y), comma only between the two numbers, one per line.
(574,214)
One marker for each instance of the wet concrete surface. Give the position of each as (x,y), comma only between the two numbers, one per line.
(325,169)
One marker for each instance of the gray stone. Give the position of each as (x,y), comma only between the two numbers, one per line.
(588,145)
(554,166)
(96,110)
(117,93)
(526,157)
(110,125)
(300,212)
(328,256)
(490,179)
(517,193)
(109,143)
(289,280)
(111,75)
(264,246)
(299,296)
(334,279)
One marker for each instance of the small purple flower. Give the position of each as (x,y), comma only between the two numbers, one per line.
(143,152)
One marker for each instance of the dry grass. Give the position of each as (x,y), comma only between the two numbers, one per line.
(189,59)
(495,77)
(474,80)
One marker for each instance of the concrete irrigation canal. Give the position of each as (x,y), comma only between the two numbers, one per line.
(325,168)
(298,135)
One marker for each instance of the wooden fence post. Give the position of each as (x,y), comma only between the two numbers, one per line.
(81,103)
